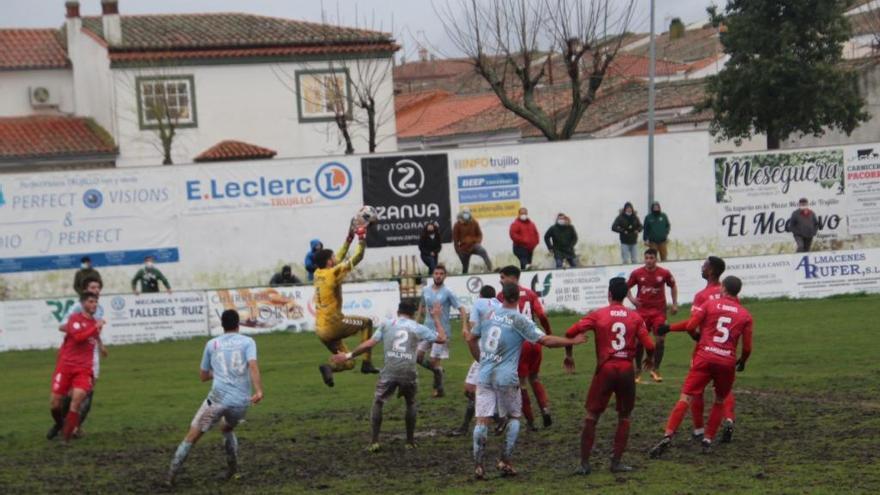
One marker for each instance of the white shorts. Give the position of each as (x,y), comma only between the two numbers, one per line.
(211,412)
(439,351)
(473,375)
(506,401)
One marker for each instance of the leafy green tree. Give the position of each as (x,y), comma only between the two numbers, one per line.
(785,74)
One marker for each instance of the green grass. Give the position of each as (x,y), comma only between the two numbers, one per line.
(809,421)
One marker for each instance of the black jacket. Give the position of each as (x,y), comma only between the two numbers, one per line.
(429,246)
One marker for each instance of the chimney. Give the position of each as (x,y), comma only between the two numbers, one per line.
(73,23)
(111,23)
(423,54)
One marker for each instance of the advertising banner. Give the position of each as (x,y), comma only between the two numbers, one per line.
(756,194)
(48,222)
(32,324)
(489,185)
(290,308)
(836,272)
(863,189)
(154,317)
(407,192)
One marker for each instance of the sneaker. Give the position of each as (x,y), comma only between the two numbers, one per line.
(531,426)
(706,446)
(620,467)
(53,431)
(638,378)
(374,447)
(367,368)
(697,436)
(548,420)
(438,393)
(479,472)
(655,375)
(78,433)
(584,469)
(727,431)
(506,469)
(170,479)
(232,471)
(411,446)
(326,374)
(661,447)
(459,432)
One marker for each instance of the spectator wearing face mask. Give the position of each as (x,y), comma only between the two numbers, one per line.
(149,277)
(430,245)
(315,245)
(85,272)
(561,238)
(628,225)
(466,237)
(657,229)
(525,238)
(284,277)
(804,225)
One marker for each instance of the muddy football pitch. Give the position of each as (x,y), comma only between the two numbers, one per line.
(808,421)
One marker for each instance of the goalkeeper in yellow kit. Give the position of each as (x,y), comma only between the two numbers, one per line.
(330,324)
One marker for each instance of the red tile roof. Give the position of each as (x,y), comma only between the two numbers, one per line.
(32,49)
(405,101)
(432,118)
(234,150)
(629,65)
(39,136)
(432,69)
(233,35)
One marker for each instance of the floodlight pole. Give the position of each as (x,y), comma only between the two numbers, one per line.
(651,74)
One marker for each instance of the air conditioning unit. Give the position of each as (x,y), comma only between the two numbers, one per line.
(44,96)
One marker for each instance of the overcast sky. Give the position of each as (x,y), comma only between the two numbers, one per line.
(414,21)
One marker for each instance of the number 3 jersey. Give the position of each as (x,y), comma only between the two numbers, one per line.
(618,330)
(400,338)
(501,336)
(227,358)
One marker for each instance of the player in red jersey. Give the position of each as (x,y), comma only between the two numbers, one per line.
(650,302)
(721,322)
(531,354)
(75,365)
(618,331)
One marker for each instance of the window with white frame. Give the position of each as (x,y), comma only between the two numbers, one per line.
(166,100)
(323,94)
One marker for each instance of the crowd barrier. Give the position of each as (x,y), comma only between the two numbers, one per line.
(33,324)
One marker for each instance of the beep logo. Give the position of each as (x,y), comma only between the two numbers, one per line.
(331,181)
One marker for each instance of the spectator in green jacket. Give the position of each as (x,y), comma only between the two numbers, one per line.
(628,225)
(657,229)
(561,238)
(149,277)
(85,272)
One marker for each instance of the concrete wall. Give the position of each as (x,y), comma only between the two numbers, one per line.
(15,87)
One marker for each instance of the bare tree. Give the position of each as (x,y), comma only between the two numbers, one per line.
(511,44)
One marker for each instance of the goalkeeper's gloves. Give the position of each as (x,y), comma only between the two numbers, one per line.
(350,236)
(740,365)
(361,232)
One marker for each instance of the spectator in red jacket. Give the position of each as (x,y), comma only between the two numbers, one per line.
(525,238)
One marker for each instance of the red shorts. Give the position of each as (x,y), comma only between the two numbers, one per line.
(653,318)
(65,379)
(614,377)
(530,359)
(704,371)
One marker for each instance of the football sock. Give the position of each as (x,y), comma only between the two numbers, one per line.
(697,405)
(541,395)
(512,433)
(468,413)
(180,456)
(230,443)
(65,406)
(588,435)
(527,406)
(640,352)
(411,412)
(676,417)
(658,354)
(480,433)
(85,407)
(729,407)
(714,420)
(438,378)
(70,424)
(620,437)
(58,416)
(376,419)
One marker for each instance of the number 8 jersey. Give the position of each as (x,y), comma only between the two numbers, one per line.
(618,329)
(501,337)
(227,358)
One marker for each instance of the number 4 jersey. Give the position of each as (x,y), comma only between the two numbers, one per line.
(227,358)
(618,331)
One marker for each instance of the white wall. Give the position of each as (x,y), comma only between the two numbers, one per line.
(254,103)
(15,87)
(92,84)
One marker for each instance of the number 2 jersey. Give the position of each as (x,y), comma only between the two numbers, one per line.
(227,358)
(722,322)
(618,330)
(501,336)
(400,338)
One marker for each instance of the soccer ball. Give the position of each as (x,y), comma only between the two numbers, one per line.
(365,216)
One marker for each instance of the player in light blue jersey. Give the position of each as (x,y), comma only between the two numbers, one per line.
(479,311)
(438,293)
(497,342)
(230,360)
(400,339)
(93,286)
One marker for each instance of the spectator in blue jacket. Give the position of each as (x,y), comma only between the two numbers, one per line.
(315,245)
